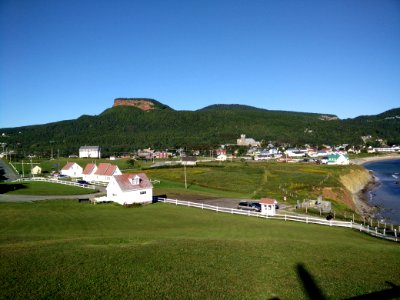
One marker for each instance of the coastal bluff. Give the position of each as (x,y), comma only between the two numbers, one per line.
(354,182)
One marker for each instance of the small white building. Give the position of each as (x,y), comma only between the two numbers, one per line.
(72,169)
(189,161)
(105,172)
(36,170)
(88,172)
(129,189)
(338,159)
(243,141)
(89,152)
(268,206)
(221,157)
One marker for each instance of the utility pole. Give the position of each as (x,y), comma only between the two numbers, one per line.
(184,170)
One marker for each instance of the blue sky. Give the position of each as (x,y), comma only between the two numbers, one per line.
(61,59)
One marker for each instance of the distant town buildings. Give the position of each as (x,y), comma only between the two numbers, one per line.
(89,152)
(243,141)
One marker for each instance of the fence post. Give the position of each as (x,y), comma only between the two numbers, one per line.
(376,230)
(176,201)
(395,234)
(232,211)
(384,231)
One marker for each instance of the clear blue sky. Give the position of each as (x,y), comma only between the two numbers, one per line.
(61,59)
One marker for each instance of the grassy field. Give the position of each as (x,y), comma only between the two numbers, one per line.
(253,180)
(63,249)
(42,189)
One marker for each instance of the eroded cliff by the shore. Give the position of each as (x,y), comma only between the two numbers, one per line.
(354,182)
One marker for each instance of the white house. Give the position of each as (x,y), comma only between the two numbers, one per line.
(36,170)
(338,159)
(221,157)
(189,161)
(88,172)
(268,206)
(72,169)
(129,189)
(296,152)
(90,151)
(243,141)
(105,172)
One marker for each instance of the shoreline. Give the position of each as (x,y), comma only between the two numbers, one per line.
(364,160)
(360,198)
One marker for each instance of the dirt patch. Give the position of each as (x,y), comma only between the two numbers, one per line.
(339,195)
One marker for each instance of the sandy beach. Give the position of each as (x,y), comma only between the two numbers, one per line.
(364,160)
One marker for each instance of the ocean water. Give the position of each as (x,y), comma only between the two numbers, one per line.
(386,195)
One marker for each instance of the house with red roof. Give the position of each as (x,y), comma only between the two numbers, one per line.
(268,206)
(105,172)
(72,169)
(129,189)
(88,172)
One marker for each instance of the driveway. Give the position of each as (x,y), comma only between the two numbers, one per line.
(6,173)
(30,198)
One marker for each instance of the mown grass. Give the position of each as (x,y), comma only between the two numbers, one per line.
(42,189)
(256,180)
(63,249)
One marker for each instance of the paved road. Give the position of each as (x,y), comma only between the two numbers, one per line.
(6,173)
(30,198)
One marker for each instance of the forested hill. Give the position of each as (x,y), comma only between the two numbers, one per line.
(125,128)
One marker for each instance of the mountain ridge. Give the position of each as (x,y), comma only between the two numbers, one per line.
(125,128)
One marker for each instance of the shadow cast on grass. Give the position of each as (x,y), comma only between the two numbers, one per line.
(5,188)
(314,292)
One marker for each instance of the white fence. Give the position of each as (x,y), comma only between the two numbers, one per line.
(57,181)
(374,231)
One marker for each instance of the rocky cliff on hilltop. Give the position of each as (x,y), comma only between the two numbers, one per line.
(141,103)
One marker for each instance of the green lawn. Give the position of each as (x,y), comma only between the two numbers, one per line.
(255,180)
(39,188)
(64,249)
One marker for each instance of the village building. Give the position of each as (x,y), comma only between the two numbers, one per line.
(243,141)
(88,172)
(105,172)
(268,206)
(221,157)
(338,159)
(72,169)
(188,161)
(36,170)
(128,189)
(89,152)
(294,152)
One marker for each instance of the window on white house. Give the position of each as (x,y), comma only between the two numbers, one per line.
(143,192)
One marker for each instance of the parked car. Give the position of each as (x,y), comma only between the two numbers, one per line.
(253,206)
(82,182)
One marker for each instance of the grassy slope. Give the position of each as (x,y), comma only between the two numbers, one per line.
(63,249)
(42,189)
(256,180)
